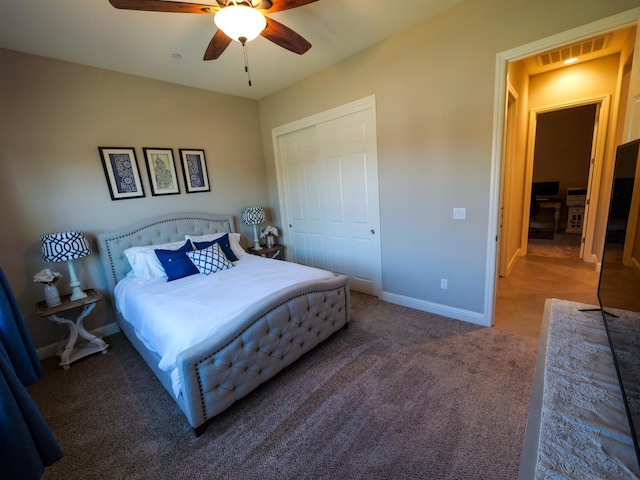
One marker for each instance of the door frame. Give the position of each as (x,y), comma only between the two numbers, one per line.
(614,22)
(363,104)
(506,190)
(595,167)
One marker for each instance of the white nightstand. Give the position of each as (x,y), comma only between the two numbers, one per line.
(70,352)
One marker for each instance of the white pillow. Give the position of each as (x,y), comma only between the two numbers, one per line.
(144,261)
(234,241)
(209,260)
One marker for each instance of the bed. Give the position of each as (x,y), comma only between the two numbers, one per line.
(270,314)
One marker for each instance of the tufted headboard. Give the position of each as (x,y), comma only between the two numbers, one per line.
(163,229)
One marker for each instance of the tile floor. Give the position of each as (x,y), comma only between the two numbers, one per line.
(551,269)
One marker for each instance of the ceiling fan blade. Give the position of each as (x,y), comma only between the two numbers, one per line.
(162,6)
(217,45)
(281,5)
(285,37)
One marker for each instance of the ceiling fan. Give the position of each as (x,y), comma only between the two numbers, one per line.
(240,20)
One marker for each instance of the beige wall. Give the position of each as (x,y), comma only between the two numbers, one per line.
(575,83)
(563,146)
(54,117)
(434,88)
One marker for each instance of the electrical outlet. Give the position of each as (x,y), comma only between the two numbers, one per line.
(443,283)
(459,213)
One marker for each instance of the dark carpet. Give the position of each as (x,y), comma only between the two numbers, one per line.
(400,394)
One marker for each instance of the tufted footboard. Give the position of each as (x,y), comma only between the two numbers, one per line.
(272,335)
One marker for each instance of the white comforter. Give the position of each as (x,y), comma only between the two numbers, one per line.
(169,317)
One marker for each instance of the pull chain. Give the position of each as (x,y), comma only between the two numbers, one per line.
(243,40)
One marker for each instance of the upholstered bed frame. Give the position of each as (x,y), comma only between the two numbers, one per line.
(266,338)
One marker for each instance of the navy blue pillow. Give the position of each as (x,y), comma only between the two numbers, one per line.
(176,264)
(223,241)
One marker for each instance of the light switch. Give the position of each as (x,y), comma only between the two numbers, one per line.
(459,213)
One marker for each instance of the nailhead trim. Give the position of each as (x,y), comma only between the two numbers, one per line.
(295,323)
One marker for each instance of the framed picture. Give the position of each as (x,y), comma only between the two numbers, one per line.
(162,171)
(194,167)
(121,169)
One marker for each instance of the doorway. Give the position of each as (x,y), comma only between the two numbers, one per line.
(591,117)
(622,24)
(564,146)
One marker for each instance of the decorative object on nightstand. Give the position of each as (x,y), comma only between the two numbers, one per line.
(269,233)
(254,216)
(69,353)
(276,251)
(48,279)
(66,246)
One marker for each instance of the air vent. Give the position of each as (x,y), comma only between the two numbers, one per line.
(578,50)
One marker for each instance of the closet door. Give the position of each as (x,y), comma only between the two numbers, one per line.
(331,191)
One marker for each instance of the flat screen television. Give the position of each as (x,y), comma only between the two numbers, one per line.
(545,189)
(619,284)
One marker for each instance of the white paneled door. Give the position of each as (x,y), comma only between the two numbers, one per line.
(330,187)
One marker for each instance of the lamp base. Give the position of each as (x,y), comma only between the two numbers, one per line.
(77,294)
(256,242)
(76,291)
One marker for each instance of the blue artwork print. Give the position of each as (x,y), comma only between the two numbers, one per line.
(196,175)
(123,172)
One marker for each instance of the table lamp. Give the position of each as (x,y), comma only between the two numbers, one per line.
(66,246)
(254,216)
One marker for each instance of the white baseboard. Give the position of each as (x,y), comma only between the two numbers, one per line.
(512,263)
(104,331)
(438,309)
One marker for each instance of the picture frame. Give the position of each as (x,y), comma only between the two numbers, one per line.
(121,171)
(161,168)
(194,167)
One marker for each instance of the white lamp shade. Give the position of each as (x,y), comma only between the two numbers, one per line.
(238,21)
(253,215)
(58,247)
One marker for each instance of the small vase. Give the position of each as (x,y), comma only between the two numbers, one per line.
(270,241)
(51,296)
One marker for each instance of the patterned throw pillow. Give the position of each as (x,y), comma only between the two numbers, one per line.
(210,260)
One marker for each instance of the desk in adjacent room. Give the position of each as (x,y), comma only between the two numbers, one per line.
(554,203)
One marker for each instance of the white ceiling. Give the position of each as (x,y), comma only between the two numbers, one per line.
(92,32)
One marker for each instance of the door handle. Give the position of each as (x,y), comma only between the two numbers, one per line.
(373,232)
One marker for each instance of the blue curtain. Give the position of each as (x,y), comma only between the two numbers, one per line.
(26,442)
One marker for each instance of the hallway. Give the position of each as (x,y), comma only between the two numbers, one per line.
(551,269)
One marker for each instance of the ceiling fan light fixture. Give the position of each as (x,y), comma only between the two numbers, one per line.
(240,21)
